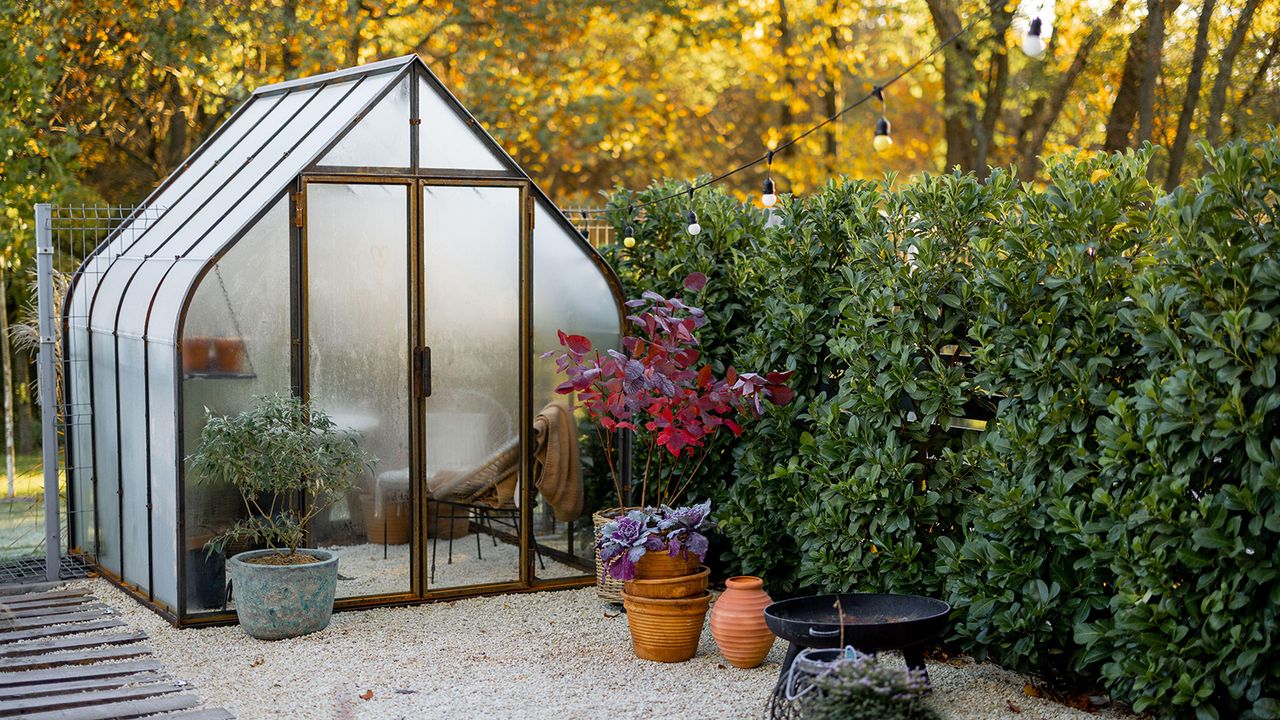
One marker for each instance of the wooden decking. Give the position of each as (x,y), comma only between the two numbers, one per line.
(64,656)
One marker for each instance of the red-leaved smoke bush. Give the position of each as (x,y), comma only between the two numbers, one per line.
(655,384)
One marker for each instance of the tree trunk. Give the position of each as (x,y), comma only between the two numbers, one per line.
(289,57)
(1178,151)
(1251,90)
(957,75)
(832,99)
(1150,71)
(1045,112)
(1226,62)
(8,377)
(784,52)
(997,87)
(1125,107)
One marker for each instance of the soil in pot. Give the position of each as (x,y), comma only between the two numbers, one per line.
(666,630)
(282,601)
(737,622)
(275,558)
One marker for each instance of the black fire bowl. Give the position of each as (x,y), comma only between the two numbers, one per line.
(869,622)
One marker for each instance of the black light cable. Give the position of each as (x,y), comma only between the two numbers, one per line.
(876,93)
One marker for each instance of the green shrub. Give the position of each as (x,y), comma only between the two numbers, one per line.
(885,472)
(1118,518)
(1048,339)
(1191,460)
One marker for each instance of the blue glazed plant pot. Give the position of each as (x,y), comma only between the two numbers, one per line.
(274,602)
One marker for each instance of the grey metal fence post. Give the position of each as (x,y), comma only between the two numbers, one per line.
(48,390)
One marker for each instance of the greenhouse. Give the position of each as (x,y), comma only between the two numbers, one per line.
(358,240)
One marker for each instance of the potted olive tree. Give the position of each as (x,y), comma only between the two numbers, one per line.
(289,463)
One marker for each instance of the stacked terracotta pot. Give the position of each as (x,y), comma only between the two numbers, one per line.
(666,605)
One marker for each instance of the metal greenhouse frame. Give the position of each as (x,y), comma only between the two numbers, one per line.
(331,234)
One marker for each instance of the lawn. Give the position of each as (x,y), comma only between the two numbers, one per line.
(22,516)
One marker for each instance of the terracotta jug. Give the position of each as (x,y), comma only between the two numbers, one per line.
(737,622)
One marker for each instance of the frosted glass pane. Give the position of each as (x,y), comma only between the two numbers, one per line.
(236,346)
(200,166)
(240,170)
(381,139)
(80,440)
(298,144)
(259,183)
(104,426)
(471,266)
(358,328)
(133,462)
(445,141)
(132,320)
(570,293)
(163,463)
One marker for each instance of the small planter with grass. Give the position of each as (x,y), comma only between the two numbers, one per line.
(290,463)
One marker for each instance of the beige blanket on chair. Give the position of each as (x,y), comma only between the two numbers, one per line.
(557,469)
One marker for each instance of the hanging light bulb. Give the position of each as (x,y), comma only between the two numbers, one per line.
(1033,42)
(694,228)
(883,140)
(629,237)
(770,196)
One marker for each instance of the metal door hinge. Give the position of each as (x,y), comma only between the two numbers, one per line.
(299,208)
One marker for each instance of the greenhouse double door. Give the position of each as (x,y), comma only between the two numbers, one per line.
(413,323)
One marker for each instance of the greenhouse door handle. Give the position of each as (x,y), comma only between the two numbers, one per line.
(422,359)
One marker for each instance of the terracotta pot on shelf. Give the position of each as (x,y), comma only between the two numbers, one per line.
(737,622)
(669,588)
(666,630)
(228,354)
(659,564)
(196,353)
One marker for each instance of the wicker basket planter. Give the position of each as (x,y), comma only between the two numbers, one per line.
(606,587)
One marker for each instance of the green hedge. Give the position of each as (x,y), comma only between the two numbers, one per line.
(1117,518)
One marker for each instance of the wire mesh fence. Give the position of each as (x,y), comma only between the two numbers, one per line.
(66,235)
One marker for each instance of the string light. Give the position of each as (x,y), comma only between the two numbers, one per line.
(694,228)
(770,196)
(629,239)
(883,140)
(1033,42)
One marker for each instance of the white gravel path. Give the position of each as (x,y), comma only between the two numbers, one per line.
(562,655)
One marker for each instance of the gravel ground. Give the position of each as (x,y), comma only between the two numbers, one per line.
(535,655)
